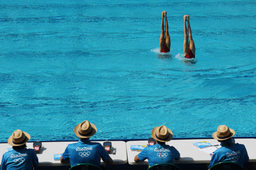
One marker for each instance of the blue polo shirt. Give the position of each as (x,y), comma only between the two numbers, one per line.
(85,152)
(22,159)
(236,153)
(159,153)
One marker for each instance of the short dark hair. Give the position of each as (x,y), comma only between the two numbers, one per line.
(84,139)
(19,147)
(160,142)
(228,142)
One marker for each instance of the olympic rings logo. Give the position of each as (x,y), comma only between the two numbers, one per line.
(162,155)
(84,154)
(19,160)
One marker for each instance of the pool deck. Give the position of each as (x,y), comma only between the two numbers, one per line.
(190,154)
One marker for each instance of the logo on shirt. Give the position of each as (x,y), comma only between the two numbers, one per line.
(19,160)
(83,149)
(18,155)
(234,155)
(161,152)
(84,154)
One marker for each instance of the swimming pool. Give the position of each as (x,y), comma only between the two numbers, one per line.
(62,62)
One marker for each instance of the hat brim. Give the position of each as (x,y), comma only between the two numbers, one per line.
(10,140)
(153,134)
(214,135)
(94,130)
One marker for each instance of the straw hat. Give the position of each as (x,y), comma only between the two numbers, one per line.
(223,133)
(18,138)
(85,129)
(162,134)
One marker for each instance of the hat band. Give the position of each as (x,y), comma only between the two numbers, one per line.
(162,138)
(86,133)
(230,134)
(23,141)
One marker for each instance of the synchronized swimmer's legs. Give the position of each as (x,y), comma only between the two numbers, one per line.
(188,35)
(165,42)
(164,37)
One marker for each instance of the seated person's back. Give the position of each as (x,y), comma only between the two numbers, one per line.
(229,150)
(85,151)
(160,152)
(19,157)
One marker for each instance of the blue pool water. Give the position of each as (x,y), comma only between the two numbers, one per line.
(62,62)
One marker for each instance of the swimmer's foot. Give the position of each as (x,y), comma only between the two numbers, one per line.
(185,18)
(164,13)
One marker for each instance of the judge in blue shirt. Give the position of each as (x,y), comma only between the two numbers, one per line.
(85,151)
(160,152)
(19,157)
(229,150)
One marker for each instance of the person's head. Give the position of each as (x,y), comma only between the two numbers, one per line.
(161,134)
(18,139)
(85,130)
(224,134)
